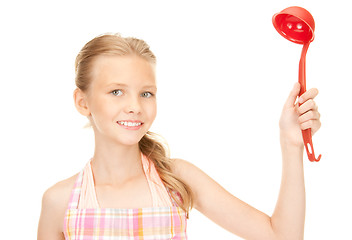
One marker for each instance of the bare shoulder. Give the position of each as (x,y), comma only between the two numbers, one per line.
(186,170)
(179,166)
(59,194)
(203,186)
(54,204)
(194,177)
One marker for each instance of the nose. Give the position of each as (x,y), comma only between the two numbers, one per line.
(133,105)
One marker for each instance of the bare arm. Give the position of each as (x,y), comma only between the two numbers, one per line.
(289,215)
(54,205)
(49,219)
(287,221)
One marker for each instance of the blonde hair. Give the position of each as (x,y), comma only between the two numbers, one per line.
(150,146)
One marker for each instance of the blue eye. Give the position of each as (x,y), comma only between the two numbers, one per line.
(147,94)
(116,92)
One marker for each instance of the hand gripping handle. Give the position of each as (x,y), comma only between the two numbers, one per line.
(307,134)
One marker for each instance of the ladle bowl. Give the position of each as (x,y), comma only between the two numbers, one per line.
(297,25)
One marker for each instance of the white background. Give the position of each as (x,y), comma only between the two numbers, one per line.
(223,74)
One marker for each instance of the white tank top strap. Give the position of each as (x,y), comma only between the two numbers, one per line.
(88,198)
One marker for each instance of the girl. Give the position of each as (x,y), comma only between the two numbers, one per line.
(131,189)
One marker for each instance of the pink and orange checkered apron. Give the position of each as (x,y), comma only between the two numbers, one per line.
(85,220)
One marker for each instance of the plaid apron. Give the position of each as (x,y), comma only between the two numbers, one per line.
(161,222)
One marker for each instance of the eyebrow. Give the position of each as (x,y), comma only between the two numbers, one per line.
(116,84)
(125,85)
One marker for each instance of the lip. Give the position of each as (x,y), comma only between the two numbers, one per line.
(130,127)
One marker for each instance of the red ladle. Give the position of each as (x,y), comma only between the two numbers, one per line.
(297,25)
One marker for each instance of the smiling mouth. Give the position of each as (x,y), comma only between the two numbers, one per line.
(129,123)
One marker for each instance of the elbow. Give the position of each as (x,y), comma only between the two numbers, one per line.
(286,233)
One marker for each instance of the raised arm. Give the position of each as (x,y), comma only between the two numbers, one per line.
(287,221)
(289,215)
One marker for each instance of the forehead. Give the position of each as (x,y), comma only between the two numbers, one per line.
(128,70)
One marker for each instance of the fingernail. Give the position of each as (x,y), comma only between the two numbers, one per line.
(300,100)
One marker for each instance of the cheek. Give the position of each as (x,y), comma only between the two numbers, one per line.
(102,108)
(151,111)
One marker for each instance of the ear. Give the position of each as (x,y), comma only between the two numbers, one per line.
(81,102)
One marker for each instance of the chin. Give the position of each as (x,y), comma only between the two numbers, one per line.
(130,141)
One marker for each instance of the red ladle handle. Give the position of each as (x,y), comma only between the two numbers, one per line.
(307,134)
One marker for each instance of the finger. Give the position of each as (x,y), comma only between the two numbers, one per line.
(310,94)
(307,106)
(312,124)
(310,115)
(292,96)
(316,126)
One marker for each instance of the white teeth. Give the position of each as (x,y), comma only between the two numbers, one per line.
(129,124)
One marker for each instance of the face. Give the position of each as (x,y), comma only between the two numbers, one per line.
(122,98)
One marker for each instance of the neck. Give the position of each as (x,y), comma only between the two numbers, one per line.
(115,163)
